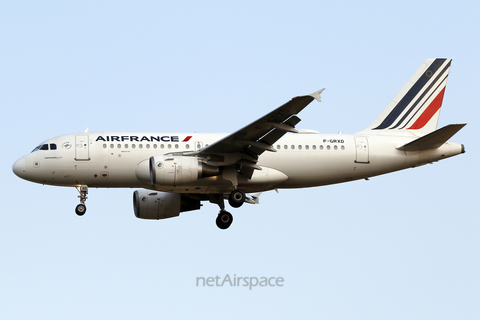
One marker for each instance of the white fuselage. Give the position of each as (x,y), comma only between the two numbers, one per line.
(106,160)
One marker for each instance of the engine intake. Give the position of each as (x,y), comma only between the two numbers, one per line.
(155,205)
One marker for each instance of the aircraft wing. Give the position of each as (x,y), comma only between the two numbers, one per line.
(244,146)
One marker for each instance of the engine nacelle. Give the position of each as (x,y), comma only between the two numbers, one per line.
(178,170)
(157,205)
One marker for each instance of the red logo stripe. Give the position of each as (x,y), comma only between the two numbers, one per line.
(429,112)
(187,138)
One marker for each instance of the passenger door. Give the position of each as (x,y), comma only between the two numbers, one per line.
(81,148)
(361,144)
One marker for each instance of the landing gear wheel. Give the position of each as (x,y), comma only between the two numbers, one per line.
(236,198)
(224,220)
(80,209)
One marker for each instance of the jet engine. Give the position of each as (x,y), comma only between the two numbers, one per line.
(157,205)
(178,170)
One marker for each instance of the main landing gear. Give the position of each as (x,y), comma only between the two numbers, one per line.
(224,219)
(235,199)
(82,208)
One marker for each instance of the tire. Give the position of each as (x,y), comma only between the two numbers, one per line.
(236,198)
(224,220)
(80,209)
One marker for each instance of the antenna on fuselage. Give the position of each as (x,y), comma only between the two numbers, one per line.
(86,130)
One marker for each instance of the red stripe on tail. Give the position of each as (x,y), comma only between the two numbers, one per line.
(429,112)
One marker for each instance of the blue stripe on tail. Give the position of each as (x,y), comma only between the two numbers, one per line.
(410,95)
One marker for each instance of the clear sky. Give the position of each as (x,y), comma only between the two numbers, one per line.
(400,246)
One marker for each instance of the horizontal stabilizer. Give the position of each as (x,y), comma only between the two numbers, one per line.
(434,139)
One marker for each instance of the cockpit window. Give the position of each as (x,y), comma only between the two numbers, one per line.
(46,146)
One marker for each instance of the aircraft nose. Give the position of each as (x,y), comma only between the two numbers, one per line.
(19,167)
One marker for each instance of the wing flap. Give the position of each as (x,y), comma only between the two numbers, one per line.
(247,171)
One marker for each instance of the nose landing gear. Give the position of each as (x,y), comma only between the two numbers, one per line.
(82,208)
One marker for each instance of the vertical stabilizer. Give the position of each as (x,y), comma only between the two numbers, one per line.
(416,108)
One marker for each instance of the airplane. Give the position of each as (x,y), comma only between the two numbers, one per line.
(177,171)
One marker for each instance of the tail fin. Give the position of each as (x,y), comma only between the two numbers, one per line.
(416,108)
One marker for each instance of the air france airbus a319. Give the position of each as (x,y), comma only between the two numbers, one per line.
(178,171)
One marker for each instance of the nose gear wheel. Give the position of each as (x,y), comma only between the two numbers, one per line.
(82,208)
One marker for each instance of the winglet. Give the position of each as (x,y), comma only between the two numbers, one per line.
(316,94)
